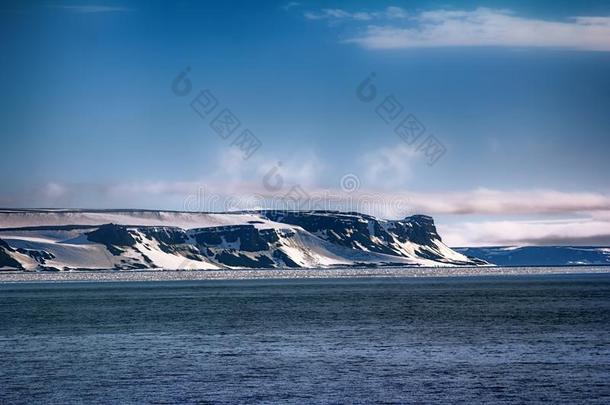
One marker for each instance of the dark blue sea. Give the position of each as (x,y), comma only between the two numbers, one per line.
(502,339)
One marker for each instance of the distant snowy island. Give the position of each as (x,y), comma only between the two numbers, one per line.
(541,255)
(65,239)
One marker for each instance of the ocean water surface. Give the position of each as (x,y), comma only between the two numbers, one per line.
(471,339)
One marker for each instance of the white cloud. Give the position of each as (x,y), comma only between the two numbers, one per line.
(395,12)
(335,14)
(517,202)
(241,179)
(54,191)
(235,181)
(247,181)
(572,231)
(235,173)
(389,167)
(479,217)
(479,27)
(290,5)
(327,13)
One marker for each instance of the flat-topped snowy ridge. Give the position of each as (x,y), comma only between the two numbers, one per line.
(67,239)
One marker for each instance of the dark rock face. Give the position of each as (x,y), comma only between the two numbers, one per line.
(5,246)
(349,230)
(5,259)
(170,236)
(40,256)
(359,231)
(250,238)
(288,262)
(419,229)
(236,259)
(111,234)
(167,238)
(224,244)
(367,233)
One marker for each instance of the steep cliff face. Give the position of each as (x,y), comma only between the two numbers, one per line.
(112,236)
(261,239)
(417,229)
(6,260)
(412,237)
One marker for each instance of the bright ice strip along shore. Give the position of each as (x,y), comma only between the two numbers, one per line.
(254,274)
(139,239)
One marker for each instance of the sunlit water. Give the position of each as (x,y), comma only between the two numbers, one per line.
(471,339)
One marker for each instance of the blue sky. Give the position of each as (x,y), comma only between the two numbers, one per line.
(517,94)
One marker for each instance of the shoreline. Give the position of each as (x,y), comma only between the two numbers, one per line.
(272,274)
